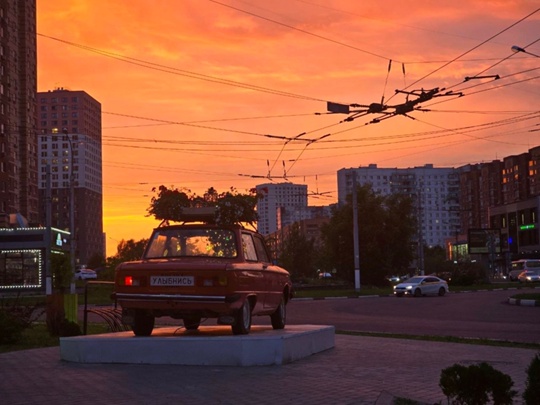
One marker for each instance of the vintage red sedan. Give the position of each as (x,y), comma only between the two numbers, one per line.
(201,270)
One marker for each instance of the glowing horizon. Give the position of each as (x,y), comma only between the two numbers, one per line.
(214,93)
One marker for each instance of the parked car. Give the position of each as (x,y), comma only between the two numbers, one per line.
(202,270)
(85,274)
(529,276)
(421,285)
(519,266)
(325,275)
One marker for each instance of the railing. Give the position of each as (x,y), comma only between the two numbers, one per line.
(110,313)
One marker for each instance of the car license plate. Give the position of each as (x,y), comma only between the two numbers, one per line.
(177,281)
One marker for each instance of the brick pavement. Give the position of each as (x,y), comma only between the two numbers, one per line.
(359,370)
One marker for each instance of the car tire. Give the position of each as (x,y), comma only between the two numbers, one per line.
(418,292)
(143,323)
(442,291)
(279,317)
(192,323)
(242,319)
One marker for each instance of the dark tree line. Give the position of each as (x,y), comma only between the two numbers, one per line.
(387,226)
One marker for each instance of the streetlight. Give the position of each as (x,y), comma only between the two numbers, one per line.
(517,49)
(71,212)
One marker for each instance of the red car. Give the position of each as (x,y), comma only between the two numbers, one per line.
(198,271)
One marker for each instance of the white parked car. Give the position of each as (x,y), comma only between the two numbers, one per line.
(421,285)
(85,274)
(529,276)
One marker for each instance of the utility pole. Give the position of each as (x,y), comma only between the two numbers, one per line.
(48,241)
(355,236)
(420,232)
(71,212)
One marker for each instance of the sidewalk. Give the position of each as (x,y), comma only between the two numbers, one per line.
(359,370)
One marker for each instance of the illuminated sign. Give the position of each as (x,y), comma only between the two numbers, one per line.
(525,227)
(484,241)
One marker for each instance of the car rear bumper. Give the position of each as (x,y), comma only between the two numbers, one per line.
(181,303)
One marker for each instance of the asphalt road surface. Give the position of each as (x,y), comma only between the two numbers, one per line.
(469,315)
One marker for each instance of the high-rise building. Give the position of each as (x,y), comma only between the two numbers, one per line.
(18,144)
(279,205)
(69,141)
(435,192)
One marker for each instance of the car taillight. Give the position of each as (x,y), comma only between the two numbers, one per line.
(222,280)
(130,281)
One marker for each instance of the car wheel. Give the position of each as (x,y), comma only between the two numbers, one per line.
(242,319)
(442,291)
(143,323)
(192,323)
(418,292)
(279,316)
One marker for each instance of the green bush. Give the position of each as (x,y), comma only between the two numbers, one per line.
(11,327)
(468,273)
(16,315)
(473,385)
(531,395)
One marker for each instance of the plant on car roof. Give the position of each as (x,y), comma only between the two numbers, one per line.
(231,207)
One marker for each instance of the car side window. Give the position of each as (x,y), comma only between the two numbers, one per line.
(261,249)
(250,253)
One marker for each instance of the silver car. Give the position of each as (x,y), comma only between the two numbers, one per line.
(418,286)
(529,276)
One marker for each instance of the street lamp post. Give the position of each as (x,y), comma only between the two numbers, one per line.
(516,49)
(71,212)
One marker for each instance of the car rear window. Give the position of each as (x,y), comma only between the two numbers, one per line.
(192,242)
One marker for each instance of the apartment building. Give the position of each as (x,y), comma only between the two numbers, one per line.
(18,144)
(69,143)
(280,204)
(435,192)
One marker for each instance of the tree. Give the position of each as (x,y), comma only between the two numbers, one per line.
(297,253)
(386,227)
(231,206)
(96,261)
(126,251)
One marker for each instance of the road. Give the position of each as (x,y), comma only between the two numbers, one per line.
(472,315)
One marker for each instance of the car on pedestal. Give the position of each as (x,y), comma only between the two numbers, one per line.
(200,270)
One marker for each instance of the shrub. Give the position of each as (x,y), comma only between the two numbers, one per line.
(531,395)
(468,273)
(11,328)
(472,385)
(15,317)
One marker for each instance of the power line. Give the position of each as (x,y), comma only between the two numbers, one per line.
(181,72)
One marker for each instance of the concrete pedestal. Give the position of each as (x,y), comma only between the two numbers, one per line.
(208,346)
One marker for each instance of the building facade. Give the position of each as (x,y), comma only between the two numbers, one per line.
(69,143)
(280,204)
(435,192)
(18,85)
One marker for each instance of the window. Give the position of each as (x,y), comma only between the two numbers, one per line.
(248,246)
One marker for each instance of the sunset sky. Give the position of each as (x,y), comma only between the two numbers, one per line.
(203,93)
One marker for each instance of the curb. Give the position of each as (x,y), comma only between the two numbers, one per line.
(524,303)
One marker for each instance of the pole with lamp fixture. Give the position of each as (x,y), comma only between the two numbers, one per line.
(517,49)
(71,212)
